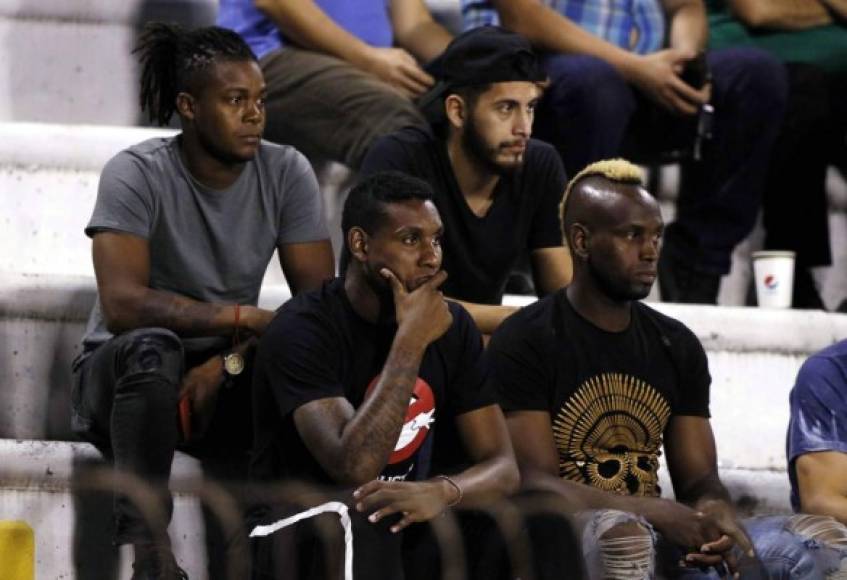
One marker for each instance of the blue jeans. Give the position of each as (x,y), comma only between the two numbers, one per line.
(787,547)
(590,112)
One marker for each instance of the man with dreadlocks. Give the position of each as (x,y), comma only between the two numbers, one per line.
(183,230)
(594,383)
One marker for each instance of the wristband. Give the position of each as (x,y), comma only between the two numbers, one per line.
(459,493)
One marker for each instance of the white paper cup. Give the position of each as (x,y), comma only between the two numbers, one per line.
(774,273)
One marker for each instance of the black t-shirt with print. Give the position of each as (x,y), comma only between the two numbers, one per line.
(480,252)
(609,394)
(318,347)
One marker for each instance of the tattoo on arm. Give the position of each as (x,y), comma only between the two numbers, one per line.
(185,316)
(370,437)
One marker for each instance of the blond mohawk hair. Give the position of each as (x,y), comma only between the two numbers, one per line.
(617,170)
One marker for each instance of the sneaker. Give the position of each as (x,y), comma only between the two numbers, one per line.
(680,283)
(153,566)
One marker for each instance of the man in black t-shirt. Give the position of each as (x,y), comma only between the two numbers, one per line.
(496,189)
(593,383)
(376,382)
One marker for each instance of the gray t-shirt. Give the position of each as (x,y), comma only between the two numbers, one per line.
(209,245)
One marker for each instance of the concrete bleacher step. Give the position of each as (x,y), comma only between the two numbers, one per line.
(93,78)
(71,61)
(35,489)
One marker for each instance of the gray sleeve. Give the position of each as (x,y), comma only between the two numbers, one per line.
(301,216)
(124,200)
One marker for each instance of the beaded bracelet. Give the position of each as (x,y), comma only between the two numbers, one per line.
(454,484)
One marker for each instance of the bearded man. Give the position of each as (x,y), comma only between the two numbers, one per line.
(497,190)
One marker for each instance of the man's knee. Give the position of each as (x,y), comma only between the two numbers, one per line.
(395,110)
(751,79)
(824,529)
(825,538)
(619,545)
(799,546)
(385,112)
(153,353)
(588,83)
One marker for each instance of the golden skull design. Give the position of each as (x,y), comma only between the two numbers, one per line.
(609,434)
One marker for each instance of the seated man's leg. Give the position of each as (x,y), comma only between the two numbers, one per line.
(224,451)
(826,539)
(498,543)
(317,542)
(720,195)
(125,402)
(617,545)
(329,109)
(585,110)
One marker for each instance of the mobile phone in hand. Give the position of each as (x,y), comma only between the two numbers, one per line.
(695,73)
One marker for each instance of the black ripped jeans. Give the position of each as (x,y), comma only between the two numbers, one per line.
(125,398)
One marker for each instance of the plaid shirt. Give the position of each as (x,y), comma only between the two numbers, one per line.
(634,25)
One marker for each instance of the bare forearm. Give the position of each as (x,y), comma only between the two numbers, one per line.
(146,308)
(550,31)
(309,27)
(487,482)
(487,316)
(425,41)
(689,29)
(786,14)
(580,496)
(368,439)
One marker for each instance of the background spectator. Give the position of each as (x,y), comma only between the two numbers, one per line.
(808,36)
(340,73)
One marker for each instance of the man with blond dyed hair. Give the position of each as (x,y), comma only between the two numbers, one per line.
(593,382)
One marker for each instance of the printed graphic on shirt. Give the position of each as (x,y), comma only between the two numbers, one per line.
(420,416)
(609,432)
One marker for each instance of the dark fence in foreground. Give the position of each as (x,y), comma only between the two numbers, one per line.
(230,551)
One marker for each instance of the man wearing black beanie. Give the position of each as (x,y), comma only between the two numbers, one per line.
(496,189)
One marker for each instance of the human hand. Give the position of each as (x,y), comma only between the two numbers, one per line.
(200,387)
(418,501)
(682,525)
(657,75)
(732,534)
(255,320)
(421,314)
(399,69)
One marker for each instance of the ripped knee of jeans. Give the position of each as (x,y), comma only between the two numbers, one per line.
(815,529)
(626,546)
(827,534)
(153,351)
